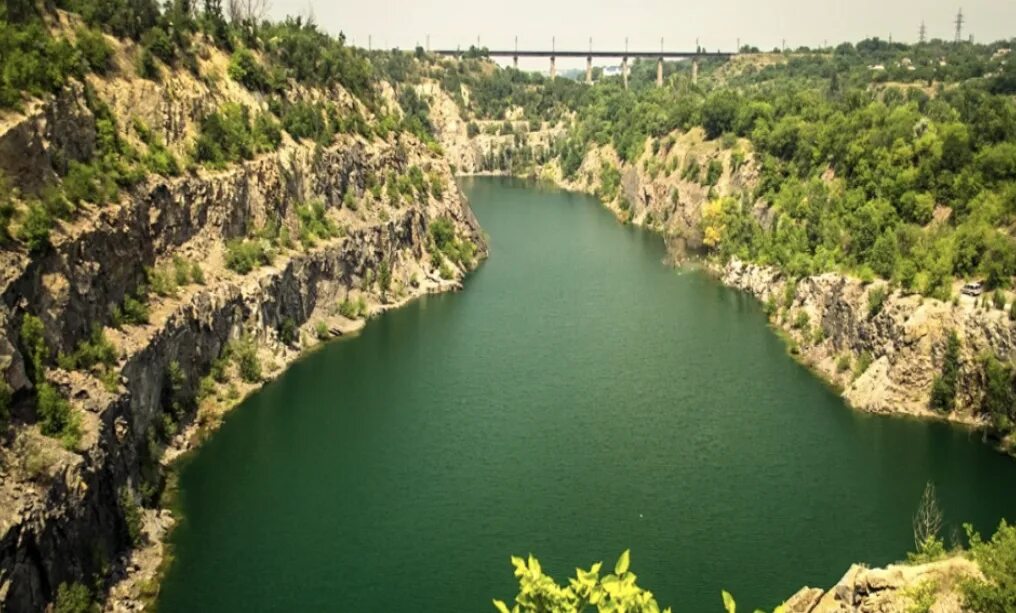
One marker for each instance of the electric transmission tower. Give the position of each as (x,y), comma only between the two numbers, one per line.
(959,26)
(922,33)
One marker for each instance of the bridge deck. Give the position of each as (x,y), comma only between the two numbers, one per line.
(609,54)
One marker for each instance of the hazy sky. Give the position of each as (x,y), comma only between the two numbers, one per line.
(716,23)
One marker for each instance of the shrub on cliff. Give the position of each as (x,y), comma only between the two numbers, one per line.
(876,299)
(998,299)
(35,227)
(288,332)
(94,49)
(245,69)
(997,561)
(133,311)
(32,61)
(245,354)
(999,392)
(88,183)
(96,350)
(314,223)
(307,120)
(146,66)
(56,418)
(442,232)
(244,255)
(610,182)
(353,309)
(232,134)
(74,598)
(713,172)
(321,331)
(801,321)
(34,346)
(132,516)
(943,388)
(5,404)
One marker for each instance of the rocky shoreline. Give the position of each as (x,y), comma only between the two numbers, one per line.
(883,362)
(91,514)
(903,342)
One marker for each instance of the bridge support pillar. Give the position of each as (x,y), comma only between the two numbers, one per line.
(659,72)
(553,68)
(624,71)
(589,70)
(694,70)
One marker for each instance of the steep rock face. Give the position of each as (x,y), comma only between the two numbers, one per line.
(46,136)
(65,516)
(894,589)
(662,190)
(490,151)
(905,339)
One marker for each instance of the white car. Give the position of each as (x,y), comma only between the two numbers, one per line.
(975,288)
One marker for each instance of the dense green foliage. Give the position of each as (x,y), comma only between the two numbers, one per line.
(617,591)
(314,223)
(353,309)
(31,61)
(96,350)
(245,69)
(854,161)
(54,412)
(997,561)
(445,244)
(245,354)
(56,418)
(232,134)
(999,393)
(74,598)
(244,255)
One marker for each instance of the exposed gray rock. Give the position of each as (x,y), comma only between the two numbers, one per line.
(905,339)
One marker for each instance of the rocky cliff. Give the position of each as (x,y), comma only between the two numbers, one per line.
(884,357)
(665,189)
(81,513)
(894,589)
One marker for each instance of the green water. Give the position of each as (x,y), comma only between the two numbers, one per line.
(578,398)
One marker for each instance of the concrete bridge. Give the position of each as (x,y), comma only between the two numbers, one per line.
(553,54)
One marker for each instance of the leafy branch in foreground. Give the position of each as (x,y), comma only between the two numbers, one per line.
(616,592)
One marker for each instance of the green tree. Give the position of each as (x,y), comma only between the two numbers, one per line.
(943,390)
(999,392)
(884,254)
(996,558)
(33,342)
(74,598)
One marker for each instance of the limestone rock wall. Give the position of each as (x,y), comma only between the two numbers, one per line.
(905,339)
(893,589)
(62,512)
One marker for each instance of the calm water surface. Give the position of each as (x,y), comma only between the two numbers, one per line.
(577,399)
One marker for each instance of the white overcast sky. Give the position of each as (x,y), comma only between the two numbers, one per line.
(716,23)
